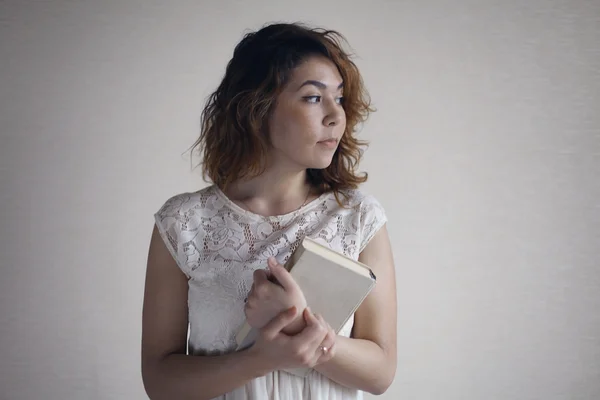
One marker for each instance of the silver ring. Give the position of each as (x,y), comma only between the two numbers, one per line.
(324,349)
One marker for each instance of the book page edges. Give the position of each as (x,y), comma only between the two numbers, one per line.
(338,258)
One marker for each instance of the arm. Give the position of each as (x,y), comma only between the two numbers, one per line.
(167,372)
(367,361)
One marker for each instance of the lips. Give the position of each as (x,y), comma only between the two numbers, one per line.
(330,140)
(329,143)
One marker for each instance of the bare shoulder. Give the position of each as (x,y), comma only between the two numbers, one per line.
(377,254)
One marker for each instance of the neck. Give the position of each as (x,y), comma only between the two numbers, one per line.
(275,191)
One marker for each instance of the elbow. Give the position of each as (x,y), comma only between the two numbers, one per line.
(151,381)
(379,388)
(147,380)
(386,377)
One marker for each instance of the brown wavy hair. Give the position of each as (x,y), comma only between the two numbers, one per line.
(234,139)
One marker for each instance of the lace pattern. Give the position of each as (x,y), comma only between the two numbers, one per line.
(218,245)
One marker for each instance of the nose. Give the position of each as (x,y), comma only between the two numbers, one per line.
(335,115)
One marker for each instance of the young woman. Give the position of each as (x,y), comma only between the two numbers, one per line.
(278,145)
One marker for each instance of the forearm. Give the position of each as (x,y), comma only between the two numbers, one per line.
(359,364)
(180,376)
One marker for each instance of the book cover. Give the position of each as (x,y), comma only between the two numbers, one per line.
(334,286)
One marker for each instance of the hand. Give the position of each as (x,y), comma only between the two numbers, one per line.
(276,350)
(272,292)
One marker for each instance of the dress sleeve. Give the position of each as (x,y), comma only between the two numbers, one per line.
(168,220)
(372,218)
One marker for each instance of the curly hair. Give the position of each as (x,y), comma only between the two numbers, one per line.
(233,138)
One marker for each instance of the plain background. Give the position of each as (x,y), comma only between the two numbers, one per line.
(485,152)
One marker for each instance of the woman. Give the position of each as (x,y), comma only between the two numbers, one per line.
(278,144)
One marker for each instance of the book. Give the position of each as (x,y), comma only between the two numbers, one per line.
(333,284)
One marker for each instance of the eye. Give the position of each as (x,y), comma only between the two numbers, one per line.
(312,99)
(317,99)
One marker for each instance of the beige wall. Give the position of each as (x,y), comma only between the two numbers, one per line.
(485,152)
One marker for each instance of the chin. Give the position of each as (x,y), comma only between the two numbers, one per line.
(314,161)
(321,164)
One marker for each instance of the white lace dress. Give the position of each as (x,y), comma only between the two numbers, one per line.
(218,245)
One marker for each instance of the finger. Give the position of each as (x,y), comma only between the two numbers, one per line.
(271,264)
(272,261)
(268,270)
(326,349)
(328,343)
(282,276)
(260,276)
(250,294)
(273,327)
(314,333)
(321,320)
(322,348)
(330,336)
(325,324)
(325,352)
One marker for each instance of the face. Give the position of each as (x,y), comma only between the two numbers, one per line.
(308,120)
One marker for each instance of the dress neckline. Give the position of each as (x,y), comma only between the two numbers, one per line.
(275,218)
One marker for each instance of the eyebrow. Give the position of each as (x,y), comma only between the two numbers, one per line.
(318,84)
